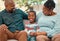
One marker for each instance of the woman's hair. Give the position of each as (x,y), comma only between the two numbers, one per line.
(49,4)
(34,14)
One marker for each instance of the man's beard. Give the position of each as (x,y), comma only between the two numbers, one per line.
(12,10)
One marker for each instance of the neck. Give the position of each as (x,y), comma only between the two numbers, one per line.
(32,22)
(51,14)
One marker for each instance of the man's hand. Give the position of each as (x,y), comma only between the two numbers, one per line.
(3,26)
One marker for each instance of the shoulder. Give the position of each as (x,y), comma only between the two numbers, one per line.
(2,12)
(19,10)
(39,15)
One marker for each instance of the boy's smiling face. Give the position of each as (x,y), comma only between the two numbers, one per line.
(31,17)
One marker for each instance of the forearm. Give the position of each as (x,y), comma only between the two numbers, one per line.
(41,33)
(9,33)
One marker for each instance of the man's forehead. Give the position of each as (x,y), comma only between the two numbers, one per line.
(9,2)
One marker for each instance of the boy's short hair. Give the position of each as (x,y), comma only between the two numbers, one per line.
(33,12)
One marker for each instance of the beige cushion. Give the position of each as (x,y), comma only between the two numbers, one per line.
(11,40)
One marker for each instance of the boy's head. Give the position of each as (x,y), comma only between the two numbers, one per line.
(32,16)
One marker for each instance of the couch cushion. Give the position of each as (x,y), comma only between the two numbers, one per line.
(11,40)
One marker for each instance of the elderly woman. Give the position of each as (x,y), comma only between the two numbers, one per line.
(48,22)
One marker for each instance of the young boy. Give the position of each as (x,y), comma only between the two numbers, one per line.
(32,26)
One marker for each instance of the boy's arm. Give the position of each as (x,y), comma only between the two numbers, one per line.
(26,29)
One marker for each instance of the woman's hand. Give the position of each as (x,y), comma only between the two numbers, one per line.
(41,33)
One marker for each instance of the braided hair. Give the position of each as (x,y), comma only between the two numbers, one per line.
(49,4)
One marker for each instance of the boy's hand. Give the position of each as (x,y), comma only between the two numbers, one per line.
(33,33)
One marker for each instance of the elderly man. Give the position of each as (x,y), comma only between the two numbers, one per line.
(11,23)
